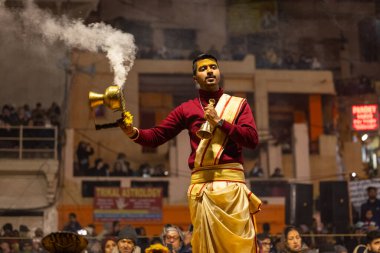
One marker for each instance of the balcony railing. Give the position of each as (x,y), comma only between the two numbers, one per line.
(24,142)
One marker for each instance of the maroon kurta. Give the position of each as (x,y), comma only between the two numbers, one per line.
(189,115)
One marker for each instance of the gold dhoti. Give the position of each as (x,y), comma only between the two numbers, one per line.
(222,210)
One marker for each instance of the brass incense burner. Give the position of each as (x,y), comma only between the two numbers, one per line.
(113,98)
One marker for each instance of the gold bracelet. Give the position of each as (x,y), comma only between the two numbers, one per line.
(135,135)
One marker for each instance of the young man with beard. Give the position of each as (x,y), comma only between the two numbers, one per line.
(373,241)
(217,194)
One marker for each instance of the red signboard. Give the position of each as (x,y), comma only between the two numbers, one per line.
(127,204)
(365,117)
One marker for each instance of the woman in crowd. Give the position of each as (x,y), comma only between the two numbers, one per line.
(109,245)
(293,241)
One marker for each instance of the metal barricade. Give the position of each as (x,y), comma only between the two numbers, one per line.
(28,142)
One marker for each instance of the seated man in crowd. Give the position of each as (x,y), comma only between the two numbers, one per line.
(127,241)
(173,238)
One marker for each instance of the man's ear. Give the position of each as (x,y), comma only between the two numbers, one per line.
(196,83)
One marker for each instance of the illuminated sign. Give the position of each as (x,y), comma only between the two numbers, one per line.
(365,117)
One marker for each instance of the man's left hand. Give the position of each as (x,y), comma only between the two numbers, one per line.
(211,115)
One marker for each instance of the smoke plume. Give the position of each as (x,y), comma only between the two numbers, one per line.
(119,47)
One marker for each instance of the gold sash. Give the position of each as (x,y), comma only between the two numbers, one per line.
(209,151)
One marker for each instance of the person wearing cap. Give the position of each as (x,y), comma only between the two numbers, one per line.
(173,238)
(217,194)
(127,241)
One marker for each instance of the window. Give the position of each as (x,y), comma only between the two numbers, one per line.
(369,39)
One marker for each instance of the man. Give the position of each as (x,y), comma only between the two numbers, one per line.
(264,243)
(373,241)
(373,203)
(173,238)
(127,241)
(72,225)
(221,205)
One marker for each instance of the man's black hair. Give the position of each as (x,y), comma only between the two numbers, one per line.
(202,57)
(372,235)
(369,188)
(263,236)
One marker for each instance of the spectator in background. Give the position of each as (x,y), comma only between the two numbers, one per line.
(159,171)
(109,244)
(7,117)
(5,247)
(83,152)
(372,203)
(8,230)
(24,231)
(265,243)
(373,241)
(288,60)
(38,115)
(292,241)
(115,228)
(94,245)
(100,168)
(72,225)
(38,235)
(256,171)
(23,117)
(315,64)
(122,164)
(54,114)
(277,173)
(173,238)
(369,222)
(28,111)
(26,246)
(144,170)
(272,59)
(127,241)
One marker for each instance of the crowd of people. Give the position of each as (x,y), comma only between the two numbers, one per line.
(37,130)
(26,116)
(174,239)
(269,59)
(21,240)
(121,167)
